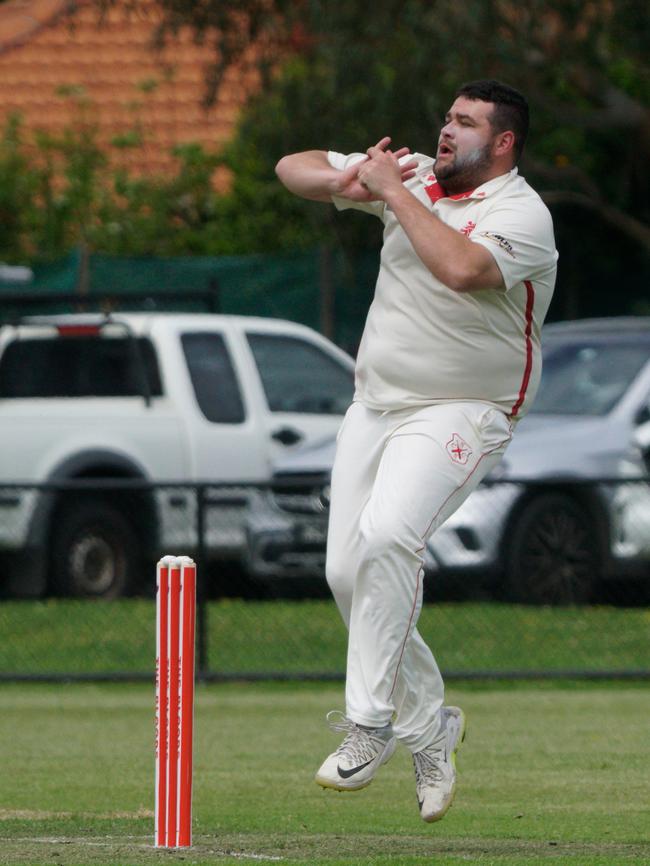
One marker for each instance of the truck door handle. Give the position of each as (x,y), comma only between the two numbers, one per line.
(287,435)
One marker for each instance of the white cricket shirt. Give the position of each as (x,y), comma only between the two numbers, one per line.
(424,342)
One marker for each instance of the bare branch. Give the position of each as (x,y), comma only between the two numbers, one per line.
(633,228)
(558,175)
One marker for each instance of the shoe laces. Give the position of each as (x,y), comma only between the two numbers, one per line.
(429,765)
(360,744)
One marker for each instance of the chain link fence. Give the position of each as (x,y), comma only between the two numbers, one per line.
(527,580)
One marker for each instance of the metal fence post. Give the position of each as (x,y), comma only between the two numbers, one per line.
(202,595)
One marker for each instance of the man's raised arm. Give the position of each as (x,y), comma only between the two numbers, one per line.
(309,175)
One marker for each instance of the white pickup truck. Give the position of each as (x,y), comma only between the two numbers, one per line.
(146,398)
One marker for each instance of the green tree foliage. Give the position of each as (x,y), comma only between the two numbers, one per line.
(343,75)
(18,182)
(68,167)
(63,191)
(349,73)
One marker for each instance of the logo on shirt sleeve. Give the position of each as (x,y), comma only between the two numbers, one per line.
(501,242)
(458,449)
(468,228)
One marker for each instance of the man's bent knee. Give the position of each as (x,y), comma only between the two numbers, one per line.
(384,543)
(339,575)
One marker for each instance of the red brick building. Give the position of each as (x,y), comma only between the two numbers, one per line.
(46,51)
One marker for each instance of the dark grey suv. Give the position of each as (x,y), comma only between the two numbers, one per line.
(550,519)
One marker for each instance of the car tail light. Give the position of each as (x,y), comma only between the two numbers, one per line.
(78,330)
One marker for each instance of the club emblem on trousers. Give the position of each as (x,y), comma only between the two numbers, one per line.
(458,449)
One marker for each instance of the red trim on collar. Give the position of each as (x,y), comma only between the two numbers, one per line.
(436,192)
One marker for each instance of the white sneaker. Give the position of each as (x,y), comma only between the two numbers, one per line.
(435,767)
(353,765)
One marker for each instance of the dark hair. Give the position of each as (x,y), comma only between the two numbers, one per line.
(510,108)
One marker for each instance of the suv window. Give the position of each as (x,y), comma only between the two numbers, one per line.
(78,366)
(300,377)
(213,378)
(587,377)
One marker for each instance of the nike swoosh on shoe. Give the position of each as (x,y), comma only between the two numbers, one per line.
(345,774)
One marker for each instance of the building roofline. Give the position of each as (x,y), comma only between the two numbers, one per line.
(20,20)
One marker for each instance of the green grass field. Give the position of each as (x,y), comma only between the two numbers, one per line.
(549,774)
(66,636)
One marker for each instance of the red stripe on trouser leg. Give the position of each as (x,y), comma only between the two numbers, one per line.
(420,570)
(392,473)
(160,821)
(173,632)
(186,711)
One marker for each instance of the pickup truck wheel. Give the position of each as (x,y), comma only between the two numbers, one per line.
(94,551)
(551,556)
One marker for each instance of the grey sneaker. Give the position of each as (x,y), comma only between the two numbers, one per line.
(354,764)
(435,767)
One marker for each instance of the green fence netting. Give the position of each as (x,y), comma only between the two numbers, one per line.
(319,288)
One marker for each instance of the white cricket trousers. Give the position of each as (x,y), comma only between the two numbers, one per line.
(397,477)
